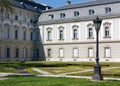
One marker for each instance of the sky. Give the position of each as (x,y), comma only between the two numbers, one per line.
(58,3)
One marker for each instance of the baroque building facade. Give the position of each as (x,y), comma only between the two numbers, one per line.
(19,33)
(68,33)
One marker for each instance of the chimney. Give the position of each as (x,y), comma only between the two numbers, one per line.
(68,2)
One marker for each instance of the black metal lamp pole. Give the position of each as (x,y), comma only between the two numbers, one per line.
(97,68)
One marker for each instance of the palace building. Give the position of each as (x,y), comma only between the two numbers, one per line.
(19,32)
(68,32)
(36,31)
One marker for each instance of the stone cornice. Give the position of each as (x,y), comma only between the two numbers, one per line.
(82,42)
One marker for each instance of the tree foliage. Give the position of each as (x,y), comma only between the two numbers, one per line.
(6,5)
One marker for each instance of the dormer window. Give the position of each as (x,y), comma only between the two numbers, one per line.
(76,13)
(62,15)
(91,12)
(107,10)
(51,16)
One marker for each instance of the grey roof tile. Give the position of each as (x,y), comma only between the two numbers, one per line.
(85,4)
(29,5)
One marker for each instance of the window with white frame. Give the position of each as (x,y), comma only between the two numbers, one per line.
(76,13)
(8,52)
(107,10)
(61,53)
(24,35)
(75,52)
(16,17)
(107,31)
(51,16)
(49,35)
(91,12)
(31,36)
(37,52)
(74,33)
(49,52)
(90,32)
(7,32)
(16,34)
(32,53)
(16,52)
(61,35)
(107,52)
(62,15)
(25,52)
(90,52)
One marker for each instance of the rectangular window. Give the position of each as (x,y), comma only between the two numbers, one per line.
(37,52)
(90,52)
(107,52)
(31,35)
(91,12)
(24,35)
(61,52)
(62,15)
(107,32)
(49,35)
(25,52)
(17,52)
(8,52)
(75,52)
(16,34)
(61,34)
(49,53)
(90,33)
(75,34)
(32,53)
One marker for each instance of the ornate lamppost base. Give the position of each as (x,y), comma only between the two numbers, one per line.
(97,73)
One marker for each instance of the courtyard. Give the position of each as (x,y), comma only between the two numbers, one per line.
(57,74)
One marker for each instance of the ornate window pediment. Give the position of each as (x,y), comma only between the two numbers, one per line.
(90,25)
(61,28)
(49,29)
(107,24)
(75,26)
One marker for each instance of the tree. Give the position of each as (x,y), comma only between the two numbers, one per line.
(6,5)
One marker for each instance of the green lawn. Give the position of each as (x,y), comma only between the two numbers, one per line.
(48,81)
(61,67)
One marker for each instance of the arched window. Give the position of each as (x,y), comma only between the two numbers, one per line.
(7,31)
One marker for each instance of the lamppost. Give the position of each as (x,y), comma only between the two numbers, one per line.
(97,68)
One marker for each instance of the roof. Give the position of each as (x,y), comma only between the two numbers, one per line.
(85,4)
(29,5)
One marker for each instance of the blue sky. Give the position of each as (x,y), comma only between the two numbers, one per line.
(58,3)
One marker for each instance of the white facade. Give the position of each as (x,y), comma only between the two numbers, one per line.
(74,39)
